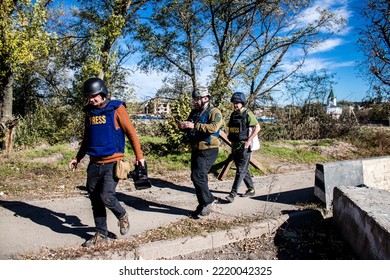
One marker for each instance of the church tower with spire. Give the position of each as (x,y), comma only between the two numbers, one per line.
(331,98)
(331,106)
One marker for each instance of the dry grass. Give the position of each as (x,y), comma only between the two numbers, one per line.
(181,228)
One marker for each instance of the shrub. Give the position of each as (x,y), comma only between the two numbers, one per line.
(176,139)
(151,128)
(307,129)
(48,124)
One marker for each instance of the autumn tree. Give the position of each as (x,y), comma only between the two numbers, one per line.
(24,40)
(245,43)
(255,40)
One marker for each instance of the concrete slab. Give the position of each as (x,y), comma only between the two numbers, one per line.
(362,215)
(376,172)
(333,174)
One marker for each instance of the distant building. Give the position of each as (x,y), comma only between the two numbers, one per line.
(157,107)
(264,114)
(331,106)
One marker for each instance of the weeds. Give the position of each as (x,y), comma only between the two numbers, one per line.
(292,154)
(370,142)
(181,228)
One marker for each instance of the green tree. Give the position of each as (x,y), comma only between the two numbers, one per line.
(101,31)
(24,39)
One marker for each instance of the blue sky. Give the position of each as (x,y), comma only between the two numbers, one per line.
(338,55)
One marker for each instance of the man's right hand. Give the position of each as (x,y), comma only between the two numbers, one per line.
(187,124)
(73,164)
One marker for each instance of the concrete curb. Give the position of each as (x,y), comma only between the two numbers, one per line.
(168,249)
(187,245)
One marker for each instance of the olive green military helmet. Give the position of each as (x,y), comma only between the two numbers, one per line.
(200,92)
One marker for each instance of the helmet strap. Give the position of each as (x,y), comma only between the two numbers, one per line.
(205,105)
(104,101)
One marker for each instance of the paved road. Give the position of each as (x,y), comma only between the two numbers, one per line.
(28,226)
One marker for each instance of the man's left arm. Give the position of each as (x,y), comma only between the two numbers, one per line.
(215,123)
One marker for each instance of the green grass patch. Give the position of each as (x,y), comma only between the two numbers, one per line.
(22,167)
(9,168)
(149,139)
(159,164)
(324,143)
(291,154)
(44,151)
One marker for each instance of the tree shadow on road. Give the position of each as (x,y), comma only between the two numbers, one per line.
(56,221)
(166,184)
(150,206)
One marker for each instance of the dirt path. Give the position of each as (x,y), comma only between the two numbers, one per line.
(62,217)
(33,225)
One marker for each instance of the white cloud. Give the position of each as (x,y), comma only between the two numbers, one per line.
(317,64)
(325,57)
(145,84)
(312,64)
(338,7)
(327,45)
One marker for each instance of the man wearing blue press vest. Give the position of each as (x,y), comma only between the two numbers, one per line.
(203,126)
(105,127)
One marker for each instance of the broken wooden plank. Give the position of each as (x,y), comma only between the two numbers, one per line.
(229,160)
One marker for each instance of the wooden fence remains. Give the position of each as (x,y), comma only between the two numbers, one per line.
(228,162)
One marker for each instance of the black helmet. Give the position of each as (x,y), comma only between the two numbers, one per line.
(238,97)
(94,86)
(200,92)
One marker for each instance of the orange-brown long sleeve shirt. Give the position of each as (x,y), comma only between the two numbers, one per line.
(122,120)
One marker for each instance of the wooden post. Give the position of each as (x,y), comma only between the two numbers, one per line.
(225,168)
(229,160)
(8,129)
